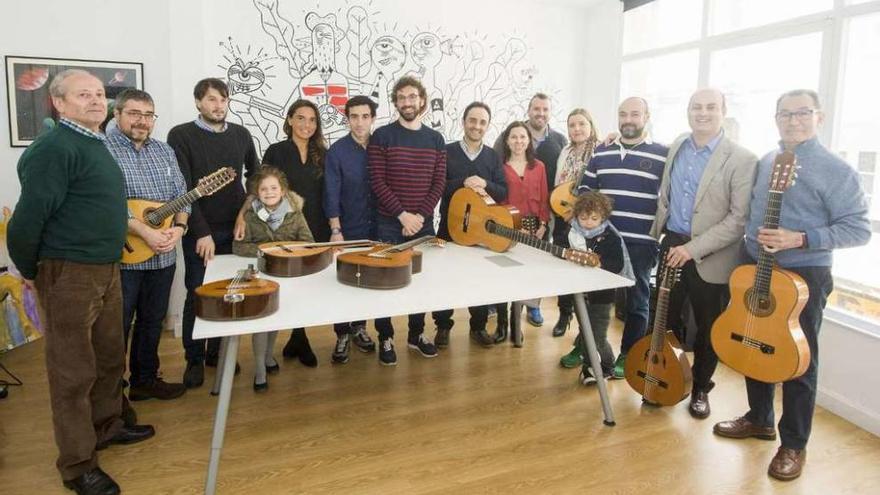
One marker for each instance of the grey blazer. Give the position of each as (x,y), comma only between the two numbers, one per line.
(721,208)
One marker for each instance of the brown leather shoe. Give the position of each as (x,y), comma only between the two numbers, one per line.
(787,463)
(699,407)
(743,428)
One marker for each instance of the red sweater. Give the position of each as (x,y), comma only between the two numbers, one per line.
(528,193)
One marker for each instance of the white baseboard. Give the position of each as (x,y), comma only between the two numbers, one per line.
(843,407)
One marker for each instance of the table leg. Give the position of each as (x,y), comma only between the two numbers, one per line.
(516,335)
(229,356)
(218,375)
(586,330)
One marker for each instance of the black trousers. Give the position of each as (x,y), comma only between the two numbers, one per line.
(799,394)
(479,317)
(708,300)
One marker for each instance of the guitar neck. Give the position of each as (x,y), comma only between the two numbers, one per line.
(516,235)
(766,260)
(660,315)
(409,244)
(176,205)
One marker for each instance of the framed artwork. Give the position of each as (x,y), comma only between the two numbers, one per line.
(27,90)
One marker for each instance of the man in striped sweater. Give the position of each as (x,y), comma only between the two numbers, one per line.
(407,165)
(629,170)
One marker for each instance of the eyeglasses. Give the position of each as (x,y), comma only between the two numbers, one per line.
(136,116)
(802,115)
(412,97)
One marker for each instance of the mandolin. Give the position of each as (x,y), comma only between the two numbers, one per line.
(243,297)
(473,222)
(562,199)
(383,266)
(759,334)
(159,215)
(656,366)
(298,259)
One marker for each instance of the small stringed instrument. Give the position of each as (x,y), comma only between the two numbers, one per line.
(473,222)
(243,297)
(297,259)
(656,366)
(158,215)
(759,334)
(562,199)
(383,266)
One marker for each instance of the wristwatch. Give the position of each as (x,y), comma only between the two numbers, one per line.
(335,230)
(182,225)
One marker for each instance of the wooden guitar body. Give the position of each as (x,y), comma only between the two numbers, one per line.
(762,339)
(286,260)
(469,215)
(136,249)
(389,271)
(562,199)
(242,298)
(662,377)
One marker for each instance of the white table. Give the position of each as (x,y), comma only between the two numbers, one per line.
(452,277)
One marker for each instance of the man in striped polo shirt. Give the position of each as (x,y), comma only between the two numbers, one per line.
(407,164)
(629,171)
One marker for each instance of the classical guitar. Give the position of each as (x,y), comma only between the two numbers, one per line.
(297,259)
(383,266)
(158,215)
(562,199)
(656,366)
(473,222)
(243,297)
(759,334)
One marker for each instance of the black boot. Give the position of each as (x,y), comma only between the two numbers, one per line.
(301,347)
(501,323)
(562,325)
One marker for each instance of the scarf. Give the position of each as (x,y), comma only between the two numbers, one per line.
(272,218)
(572,169)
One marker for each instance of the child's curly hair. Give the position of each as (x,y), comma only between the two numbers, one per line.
(264,172)
(593,201)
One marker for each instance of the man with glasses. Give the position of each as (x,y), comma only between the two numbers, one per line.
(825,210)
(407,164)
(151,172)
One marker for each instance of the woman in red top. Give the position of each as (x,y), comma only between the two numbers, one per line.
(527,191)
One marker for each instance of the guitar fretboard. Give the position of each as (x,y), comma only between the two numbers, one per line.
(518,236)
(157,216)
(765,259)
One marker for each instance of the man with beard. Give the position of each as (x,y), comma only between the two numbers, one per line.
(407,163)
(151,172)
(629,171)
(204,146)
(471,164)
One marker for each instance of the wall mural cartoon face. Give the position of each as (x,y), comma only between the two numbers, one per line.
(326,57)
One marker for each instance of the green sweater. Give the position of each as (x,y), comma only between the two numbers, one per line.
(292,228)
(72,203)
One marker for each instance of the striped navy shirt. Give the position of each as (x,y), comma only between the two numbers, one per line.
(150,173)
(631,177)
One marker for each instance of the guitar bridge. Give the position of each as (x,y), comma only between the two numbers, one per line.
(753,343)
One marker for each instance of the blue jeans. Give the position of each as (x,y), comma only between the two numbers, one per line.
(643,257)
(194,277)
(389,230)
(799,394)
(145,299)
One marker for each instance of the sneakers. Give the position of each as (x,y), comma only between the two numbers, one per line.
(157,389)
(423,345)
(533,316)
(441,338)
(194,376)
(387,355)
(362,339)
(619,366)
(587,378)
(573,359)
(340,352)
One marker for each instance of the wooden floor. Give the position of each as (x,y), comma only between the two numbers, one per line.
(472,420)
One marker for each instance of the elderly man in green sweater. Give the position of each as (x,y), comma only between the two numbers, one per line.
(66,238)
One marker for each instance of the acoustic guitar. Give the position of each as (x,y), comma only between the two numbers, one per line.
(473,222)
(656,366)
(562,199)
(158,215)
(298,259)
(759,334)
(383,266)
(243,297)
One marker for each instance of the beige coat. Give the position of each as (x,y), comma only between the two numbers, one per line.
(721,208)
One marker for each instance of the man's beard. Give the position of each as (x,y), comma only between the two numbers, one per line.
(412,116)
(209,118)
(630,131)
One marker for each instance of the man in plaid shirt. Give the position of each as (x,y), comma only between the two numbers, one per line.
(151,172)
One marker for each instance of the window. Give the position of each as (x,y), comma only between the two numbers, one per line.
(752,78)
(732,15)
(666,82)
(660,24)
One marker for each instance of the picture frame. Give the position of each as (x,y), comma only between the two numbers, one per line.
(27,89)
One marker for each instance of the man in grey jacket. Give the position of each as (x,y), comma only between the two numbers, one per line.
(701,215)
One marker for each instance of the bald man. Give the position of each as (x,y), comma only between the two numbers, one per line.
(701,217)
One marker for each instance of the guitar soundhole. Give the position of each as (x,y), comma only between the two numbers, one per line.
(759,305)
(151,219)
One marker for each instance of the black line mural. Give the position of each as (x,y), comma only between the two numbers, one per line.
(330,56)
